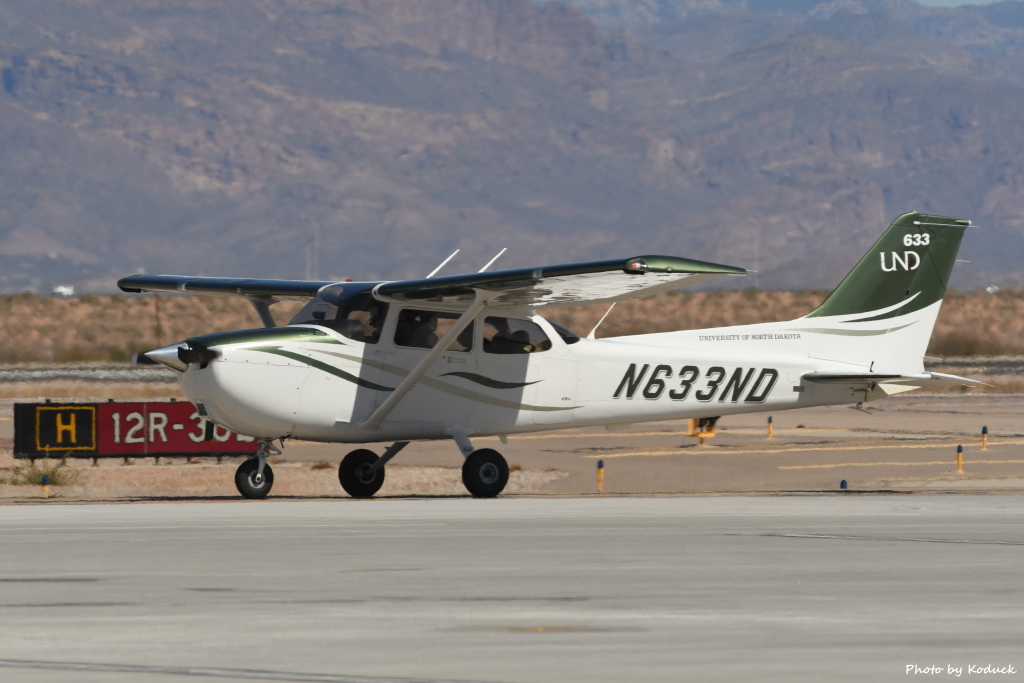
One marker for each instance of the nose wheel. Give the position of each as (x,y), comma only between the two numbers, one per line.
(254,478)
(252,483)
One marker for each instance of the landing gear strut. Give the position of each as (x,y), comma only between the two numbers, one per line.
(485,472)
(254,478)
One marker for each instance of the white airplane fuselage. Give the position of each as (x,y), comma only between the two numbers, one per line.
(312,383)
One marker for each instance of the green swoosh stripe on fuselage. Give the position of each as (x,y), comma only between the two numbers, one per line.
(320,365)
(488,382)
(449,389)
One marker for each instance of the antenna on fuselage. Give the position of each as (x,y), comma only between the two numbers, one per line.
(489,263)
(593,332)
(443,264)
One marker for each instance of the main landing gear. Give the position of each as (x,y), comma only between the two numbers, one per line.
(254,478)
(361,472)
(484,472)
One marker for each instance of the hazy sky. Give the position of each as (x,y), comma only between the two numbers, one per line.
(954,3)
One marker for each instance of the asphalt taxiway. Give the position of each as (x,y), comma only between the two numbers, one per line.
(843,587)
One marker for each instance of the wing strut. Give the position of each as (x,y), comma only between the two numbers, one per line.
(480,300)
(262,306)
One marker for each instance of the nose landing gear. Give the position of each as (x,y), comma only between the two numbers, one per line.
(254,478)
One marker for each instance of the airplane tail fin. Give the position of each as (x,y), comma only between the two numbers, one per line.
(881,315)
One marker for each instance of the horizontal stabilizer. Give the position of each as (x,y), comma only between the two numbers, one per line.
(925,379)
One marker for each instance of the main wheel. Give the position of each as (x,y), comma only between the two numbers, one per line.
(248,484)
(357,476)
(485,473)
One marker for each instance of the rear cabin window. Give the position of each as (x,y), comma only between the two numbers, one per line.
(420,329)
(512,335)
(359,316)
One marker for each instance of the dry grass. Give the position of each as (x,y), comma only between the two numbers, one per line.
(99,328)
(99,391)
(112,328)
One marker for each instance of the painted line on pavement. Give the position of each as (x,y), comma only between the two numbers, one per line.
(718,450)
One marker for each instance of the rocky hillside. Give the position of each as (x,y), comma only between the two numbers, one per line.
(342,138)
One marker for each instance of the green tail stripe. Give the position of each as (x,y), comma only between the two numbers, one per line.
(916,254)
(488,382)
(851,333)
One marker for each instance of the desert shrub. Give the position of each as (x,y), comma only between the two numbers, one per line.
(32,474)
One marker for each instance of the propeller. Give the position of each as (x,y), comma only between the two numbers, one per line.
(180,356)
(195,351)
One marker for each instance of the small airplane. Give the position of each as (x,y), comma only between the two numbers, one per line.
(464,356)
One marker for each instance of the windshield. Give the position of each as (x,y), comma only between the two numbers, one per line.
(354,314)
(567,335)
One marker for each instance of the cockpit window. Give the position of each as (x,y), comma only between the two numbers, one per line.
(512,335)
(421,329)
(356,315)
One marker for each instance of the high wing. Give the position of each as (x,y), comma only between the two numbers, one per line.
(560,285)
(282,290)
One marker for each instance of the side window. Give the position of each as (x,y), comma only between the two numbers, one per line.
(512,335)
(421,329)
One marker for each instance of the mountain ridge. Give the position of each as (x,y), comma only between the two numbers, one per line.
(278,138)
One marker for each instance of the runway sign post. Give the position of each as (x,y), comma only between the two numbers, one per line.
(96,430)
